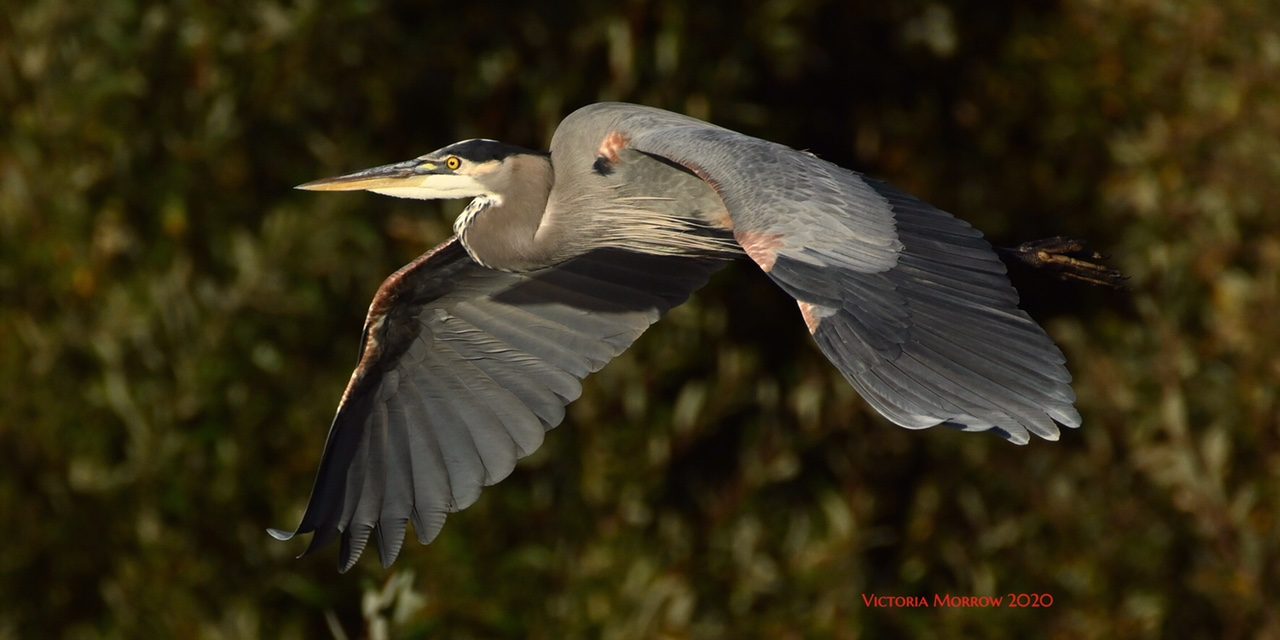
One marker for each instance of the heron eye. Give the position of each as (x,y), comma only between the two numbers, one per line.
(453,163)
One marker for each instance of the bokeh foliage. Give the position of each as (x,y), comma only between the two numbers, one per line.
(176,324)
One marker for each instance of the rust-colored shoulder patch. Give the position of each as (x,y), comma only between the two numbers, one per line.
(368,356)
(812,315)
(762,247)
(612,145)
(389,291)
(384,300)
(722,220)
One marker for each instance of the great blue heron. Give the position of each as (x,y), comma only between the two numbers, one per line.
(563,258)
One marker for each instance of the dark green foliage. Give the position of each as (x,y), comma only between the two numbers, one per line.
(176,324)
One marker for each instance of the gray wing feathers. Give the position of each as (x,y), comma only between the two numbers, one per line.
(472,367)
(769,189)
(966,355)
(912,305)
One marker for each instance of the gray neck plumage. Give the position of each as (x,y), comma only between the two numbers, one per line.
(501,231)
(513,231)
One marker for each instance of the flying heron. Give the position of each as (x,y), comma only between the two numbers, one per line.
(563,258)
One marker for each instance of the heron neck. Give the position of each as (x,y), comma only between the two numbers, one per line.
(502,230)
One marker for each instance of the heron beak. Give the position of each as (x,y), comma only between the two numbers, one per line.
(389,176)
(418,179)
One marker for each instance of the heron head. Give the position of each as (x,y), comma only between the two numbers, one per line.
(467,169)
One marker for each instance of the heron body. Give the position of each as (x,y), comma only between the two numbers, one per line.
(563,258)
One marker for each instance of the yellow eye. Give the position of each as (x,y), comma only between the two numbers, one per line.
(453,163)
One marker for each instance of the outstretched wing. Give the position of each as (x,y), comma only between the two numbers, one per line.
(912,305)
(461,371)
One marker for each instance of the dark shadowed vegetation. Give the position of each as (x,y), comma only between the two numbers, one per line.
(176,323)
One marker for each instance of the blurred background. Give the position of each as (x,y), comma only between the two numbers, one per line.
(177,324)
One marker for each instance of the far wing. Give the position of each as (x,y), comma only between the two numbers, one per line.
(911,304)
(781,201)
(461,371)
